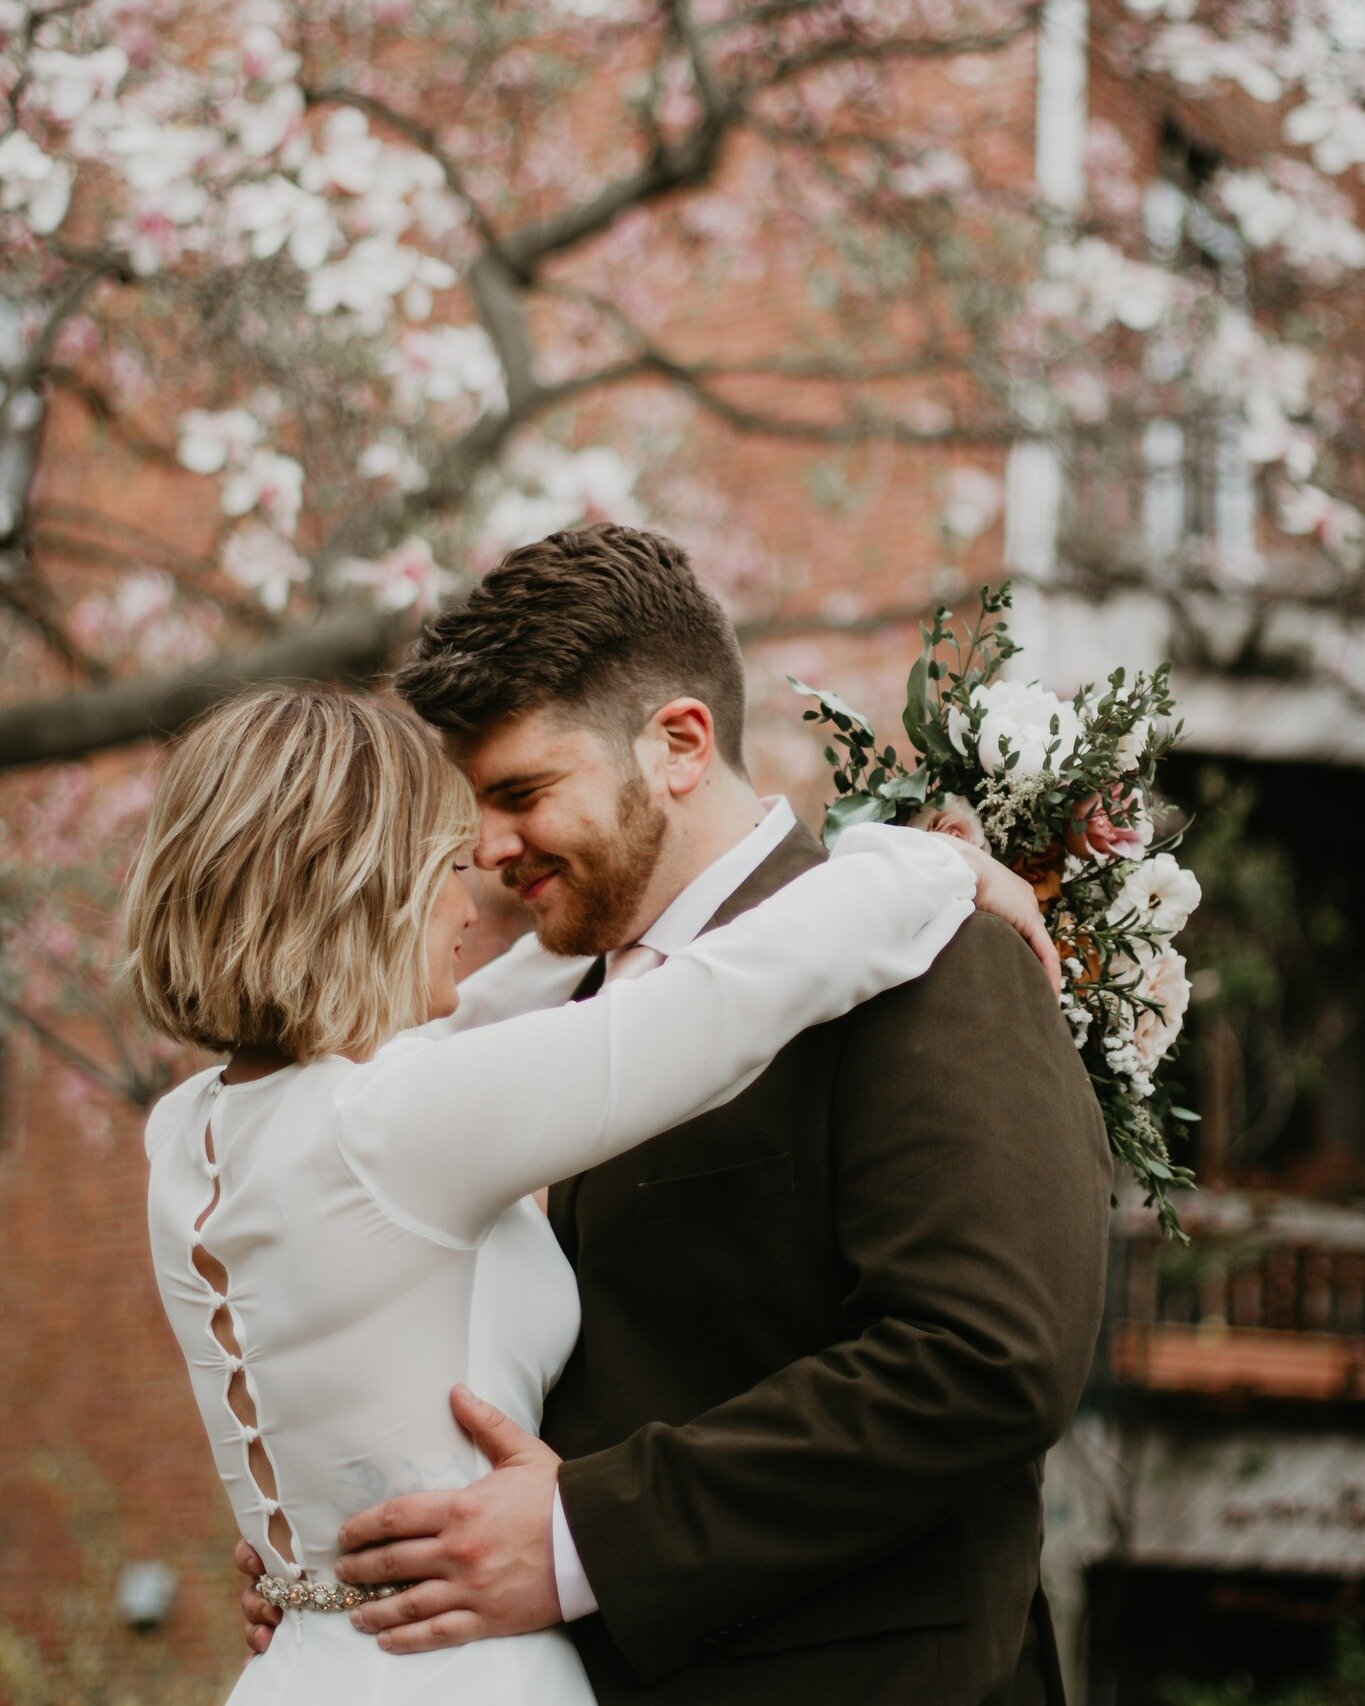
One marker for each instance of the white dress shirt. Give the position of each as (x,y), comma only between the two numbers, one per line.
(677,927)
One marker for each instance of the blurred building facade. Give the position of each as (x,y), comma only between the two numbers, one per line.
(1216,1479)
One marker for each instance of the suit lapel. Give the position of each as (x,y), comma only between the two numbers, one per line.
(564,1195)
(798,851)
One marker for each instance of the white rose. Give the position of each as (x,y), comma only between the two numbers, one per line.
(1163,981)
(1131,746)
(1017,717)
(956,817)
(1161,892)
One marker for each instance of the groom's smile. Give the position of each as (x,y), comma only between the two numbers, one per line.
(569,824)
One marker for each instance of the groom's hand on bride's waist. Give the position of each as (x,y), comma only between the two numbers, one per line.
(480,1559)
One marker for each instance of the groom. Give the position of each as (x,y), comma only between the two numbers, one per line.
(829,1329)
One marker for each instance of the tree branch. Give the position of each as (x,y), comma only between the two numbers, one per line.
(857,429)
(845,50)
(70,299)
(350,645)
(135,1088)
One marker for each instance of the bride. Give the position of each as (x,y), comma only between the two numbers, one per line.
(340,1197)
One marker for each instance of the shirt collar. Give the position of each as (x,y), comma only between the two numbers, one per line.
(679,925)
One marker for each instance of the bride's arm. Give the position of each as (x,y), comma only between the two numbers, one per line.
(447,1134)
(524,979)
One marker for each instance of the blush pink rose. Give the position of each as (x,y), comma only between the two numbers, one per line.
(956,817)
(1094,834)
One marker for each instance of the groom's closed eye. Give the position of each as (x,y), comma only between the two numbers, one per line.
(517,792)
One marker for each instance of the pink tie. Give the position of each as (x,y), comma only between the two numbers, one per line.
(633,961)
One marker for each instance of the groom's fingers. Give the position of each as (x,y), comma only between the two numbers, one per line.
(399,1561)
(1035,934)
(403,1518)
(451,1629)
(418,1604)
(496,1435)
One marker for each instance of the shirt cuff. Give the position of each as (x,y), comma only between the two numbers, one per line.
(576,1598)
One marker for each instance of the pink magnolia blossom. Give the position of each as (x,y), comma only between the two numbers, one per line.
(407,578)
(257,558)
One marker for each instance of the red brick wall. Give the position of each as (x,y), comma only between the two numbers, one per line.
(104,1459)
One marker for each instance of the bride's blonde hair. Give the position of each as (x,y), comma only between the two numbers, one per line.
(295,848)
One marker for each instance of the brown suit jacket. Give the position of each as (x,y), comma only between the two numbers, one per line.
(829,1331)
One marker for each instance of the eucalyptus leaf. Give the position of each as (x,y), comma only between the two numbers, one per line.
(831,703)
(907,790)
(916,713)
(851,809)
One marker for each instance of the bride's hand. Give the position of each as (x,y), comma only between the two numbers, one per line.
(1000,891)
(261,1617)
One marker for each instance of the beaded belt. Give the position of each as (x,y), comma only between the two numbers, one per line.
(279,1591)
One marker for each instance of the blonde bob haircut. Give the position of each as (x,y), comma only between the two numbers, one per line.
(296,845)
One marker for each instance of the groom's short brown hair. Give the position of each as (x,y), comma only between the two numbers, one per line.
(610,622)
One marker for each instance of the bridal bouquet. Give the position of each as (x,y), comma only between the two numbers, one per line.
(1061,791)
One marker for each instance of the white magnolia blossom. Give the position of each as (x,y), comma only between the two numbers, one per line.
(1015,716)
(407,578)
(265,57)
(1319,235)
(262,127)
(34,185)
(446,364)
(154,156)
(1271,380)
(277,214)
(566,487)
(258,558)
(211,439)
(1333,126)
(392,186)
(366,281)
(1161,892)
(974,501)
(348,156)
(1337,525)
(1195,56)
(1095,283)
(390,459)
(270,483)
(66,84)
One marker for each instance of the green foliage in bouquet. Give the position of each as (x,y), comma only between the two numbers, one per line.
(1061,791)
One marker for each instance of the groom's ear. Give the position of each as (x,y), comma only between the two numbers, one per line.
(679,745)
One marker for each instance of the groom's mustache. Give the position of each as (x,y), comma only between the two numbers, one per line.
(522,876)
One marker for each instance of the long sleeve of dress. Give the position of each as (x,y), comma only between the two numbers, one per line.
(446,1134)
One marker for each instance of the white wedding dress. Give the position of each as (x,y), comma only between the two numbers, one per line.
(337,1244)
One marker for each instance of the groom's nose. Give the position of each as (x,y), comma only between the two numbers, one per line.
(498,844)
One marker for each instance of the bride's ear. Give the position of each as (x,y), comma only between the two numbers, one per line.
(682,734)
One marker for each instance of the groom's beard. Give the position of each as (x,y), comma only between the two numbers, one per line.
(600,886)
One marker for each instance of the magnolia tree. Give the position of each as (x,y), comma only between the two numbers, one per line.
(363,293)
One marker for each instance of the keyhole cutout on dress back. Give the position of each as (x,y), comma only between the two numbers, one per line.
(239,1399)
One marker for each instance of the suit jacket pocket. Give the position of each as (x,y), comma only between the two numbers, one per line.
(904,1593)
(696,1193)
